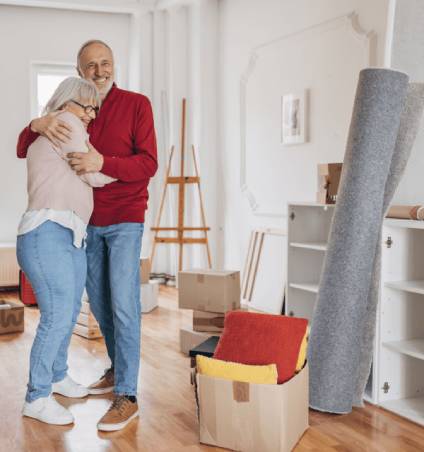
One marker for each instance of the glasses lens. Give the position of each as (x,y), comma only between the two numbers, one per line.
(89,109)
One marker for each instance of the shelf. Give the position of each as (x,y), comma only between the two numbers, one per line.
(318,246)
(306,287)
(407,286)
(310,204)
(412,408)
(412,347)
(398,223)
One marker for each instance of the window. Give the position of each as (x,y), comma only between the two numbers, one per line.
(44,80)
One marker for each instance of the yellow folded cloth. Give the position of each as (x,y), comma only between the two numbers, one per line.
(302,352)
(239,372)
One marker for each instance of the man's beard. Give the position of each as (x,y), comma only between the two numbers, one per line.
(105,88)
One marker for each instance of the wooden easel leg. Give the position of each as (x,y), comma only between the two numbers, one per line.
(162,201)
(181,188)
(202,210)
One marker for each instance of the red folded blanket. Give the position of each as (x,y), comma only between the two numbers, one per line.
(260,339)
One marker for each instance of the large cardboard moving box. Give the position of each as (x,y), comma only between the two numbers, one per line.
(11,316)
(209,290)
(253,417)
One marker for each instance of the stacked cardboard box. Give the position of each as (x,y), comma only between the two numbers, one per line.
(87,325)
(210,294)
(145,268)
(11,316)
(328,182)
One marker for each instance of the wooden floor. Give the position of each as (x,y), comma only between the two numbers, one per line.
(168,415)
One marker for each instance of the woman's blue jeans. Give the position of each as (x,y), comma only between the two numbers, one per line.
(57,272)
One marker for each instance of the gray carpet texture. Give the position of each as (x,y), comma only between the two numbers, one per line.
(339,321)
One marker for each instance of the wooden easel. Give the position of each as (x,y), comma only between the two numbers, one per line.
(181,181)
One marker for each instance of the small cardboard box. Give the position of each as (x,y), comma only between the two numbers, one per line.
(87,320)
(208,321)
(145,268)
(190,339)
(85,307)
(329,175)
(322,197)
(209,290)
(149,295)
(87,332)
(11,316)
(253,417)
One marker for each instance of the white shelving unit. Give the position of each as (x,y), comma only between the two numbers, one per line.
(308,231)
(401,313)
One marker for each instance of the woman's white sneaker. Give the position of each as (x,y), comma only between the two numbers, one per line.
(47,410)
(69,388)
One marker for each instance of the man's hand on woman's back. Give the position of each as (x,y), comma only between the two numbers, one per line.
(52,127)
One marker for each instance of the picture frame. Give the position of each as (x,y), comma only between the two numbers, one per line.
(294,117)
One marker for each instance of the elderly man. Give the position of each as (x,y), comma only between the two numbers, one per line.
(123,146)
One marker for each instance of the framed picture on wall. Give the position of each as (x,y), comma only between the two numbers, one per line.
(294,120)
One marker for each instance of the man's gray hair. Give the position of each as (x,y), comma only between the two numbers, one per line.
(72,88)
(88,43)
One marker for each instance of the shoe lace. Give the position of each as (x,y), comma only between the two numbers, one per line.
(118,404)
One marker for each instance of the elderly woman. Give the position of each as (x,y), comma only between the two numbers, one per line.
(50,248)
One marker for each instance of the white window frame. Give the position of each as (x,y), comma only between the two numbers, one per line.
(53,68)
(46,67)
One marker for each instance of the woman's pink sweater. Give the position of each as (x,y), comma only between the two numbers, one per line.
(52,184)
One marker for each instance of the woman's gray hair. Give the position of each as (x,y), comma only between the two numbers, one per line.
(72,88)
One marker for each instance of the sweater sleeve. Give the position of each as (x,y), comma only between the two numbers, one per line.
(143,163)
(26,138)
(77,143)
(96,179)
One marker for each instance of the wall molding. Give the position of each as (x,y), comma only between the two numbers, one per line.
(350,22)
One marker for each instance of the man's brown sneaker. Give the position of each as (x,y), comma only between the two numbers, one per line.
(104,385)
(120,413)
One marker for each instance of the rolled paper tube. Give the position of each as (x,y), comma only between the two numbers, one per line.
(406,212)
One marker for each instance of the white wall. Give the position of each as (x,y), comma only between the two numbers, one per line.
(407,55)
(282,174)
(28,34)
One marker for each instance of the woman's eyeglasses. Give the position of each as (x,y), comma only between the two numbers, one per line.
(87,108)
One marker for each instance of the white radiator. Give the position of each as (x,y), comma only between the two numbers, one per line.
(9,268)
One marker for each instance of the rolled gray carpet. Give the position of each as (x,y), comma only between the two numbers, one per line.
(338,322)
(408,128)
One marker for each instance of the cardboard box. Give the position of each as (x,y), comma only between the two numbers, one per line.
(85,307)
(84,296)
(87,320)
(209,290)
(208,321)
(149,295)
(145,268)
(322,197)
(190,339)
(329,175)
(252,417)
(87,332)
(11,316)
